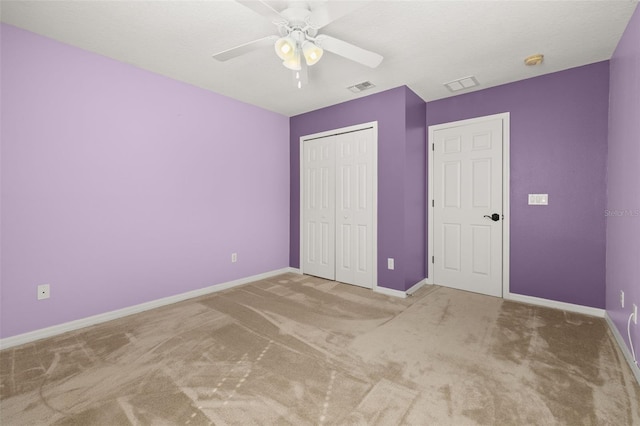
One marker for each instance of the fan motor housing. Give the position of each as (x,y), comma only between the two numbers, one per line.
(296,16)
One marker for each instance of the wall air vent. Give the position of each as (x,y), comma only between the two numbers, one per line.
(361,87)
(461,84)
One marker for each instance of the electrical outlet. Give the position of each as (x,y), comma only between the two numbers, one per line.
(234,257)
(390,263)
(621,299)
(635,313)
(44,291)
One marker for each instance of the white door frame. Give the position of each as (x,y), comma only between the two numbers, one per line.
(370,125)
(506,222)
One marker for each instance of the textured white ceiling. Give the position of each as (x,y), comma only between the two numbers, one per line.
(424,43)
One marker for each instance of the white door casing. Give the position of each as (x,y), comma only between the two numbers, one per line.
(468,183)
(354,177)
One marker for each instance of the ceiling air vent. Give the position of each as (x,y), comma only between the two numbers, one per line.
(461,84)
(360,87)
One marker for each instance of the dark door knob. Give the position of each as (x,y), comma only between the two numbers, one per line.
(494,217)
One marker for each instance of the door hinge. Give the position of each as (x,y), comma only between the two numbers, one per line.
(433,259)
(433,147)
(433,203)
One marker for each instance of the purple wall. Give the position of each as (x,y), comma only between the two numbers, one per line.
(559,147)
(415,192)
(391,109)
(120,186)
(623,181)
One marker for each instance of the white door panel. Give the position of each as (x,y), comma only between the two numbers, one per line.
(467,161)
(319,208)
(354,211)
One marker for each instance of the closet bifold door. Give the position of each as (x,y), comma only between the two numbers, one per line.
(354,208)
(338,208)
(318,210)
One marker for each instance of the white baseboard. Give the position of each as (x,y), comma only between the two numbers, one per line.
(416,287)
(570,307)
(399,293)
(294,270)
(623,347)
(130,310)
(389,291)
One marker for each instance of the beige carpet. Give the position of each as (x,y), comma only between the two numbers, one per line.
(300,350)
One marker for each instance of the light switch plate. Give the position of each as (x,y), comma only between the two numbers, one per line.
(538,199)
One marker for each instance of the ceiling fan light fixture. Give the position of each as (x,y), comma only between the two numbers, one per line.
(285,48)
(312,53)
(298,37)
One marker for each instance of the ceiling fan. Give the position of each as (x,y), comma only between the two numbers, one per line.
(298,36)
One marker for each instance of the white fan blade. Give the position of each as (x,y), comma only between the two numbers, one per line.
(324,12)
(262,8)
(234,52)
(349,51)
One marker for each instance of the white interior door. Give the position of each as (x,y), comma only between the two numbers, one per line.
(354,208)
(467,191)
(318,207)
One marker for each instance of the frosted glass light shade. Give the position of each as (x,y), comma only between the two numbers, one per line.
(285,48)
(311,52)
(293,63)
